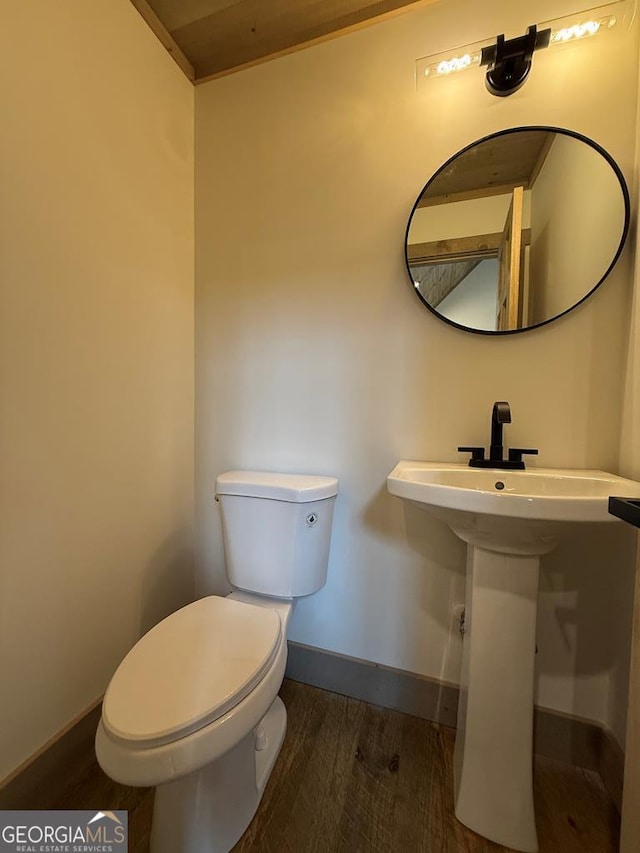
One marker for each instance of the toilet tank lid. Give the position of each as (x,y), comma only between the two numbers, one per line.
(295,488)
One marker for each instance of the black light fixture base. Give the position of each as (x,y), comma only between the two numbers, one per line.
(509,60)
(508,78)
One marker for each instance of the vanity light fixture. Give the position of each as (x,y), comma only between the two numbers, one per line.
(508,61)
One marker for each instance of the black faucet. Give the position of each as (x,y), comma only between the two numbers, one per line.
(500,415)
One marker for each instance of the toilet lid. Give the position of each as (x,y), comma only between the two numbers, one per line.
(189,670)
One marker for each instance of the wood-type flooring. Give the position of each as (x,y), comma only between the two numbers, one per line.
(356,778)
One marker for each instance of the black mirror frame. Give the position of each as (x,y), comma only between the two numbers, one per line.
(625,231)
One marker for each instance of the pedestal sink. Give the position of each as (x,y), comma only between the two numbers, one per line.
(508,519)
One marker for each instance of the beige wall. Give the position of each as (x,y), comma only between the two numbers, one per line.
(630,464)
(96,354)
(315,355)
(576,225)
(464,218)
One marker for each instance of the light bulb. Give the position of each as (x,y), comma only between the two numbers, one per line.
(451,64)
(578,31)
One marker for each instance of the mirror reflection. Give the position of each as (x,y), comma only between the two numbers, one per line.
(517,229)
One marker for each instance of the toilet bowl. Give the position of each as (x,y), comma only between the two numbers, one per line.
(193,709)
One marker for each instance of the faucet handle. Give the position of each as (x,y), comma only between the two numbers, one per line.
(476,452)
(516,453)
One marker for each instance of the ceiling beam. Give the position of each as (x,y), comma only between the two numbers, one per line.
(156,25)
(242,33)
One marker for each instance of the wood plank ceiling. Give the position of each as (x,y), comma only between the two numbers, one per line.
(492,167)
(210,38)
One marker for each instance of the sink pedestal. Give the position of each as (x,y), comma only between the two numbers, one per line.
(493,751)
(508,519)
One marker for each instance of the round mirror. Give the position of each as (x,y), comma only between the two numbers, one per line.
(517,229)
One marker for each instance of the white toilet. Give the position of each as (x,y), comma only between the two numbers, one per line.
(193,708)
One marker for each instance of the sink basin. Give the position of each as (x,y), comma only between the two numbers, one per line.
(508,519)
(518,512)
(546,494)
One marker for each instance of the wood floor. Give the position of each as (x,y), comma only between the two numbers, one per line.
(355,778)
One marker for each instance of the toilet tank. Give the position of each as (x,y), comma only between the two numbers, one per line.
(276,530)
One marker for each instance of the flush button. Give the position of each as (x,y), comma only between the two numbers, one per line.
(261,740)
(311,519)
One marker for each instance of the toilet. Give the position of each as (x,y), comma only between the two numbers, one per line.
(193,709)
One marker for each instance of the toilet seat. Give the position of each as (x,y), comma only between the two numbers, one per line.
(189,670)
(133,764)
